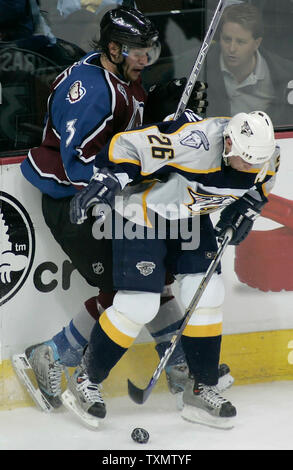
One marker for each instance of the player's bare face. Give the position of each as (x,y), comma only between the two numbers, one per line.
(134,63)
(238,49)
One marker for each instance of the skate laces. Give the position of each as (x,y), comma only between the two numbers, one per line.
(91,391)
(210,395)
(54,375)
(47,369)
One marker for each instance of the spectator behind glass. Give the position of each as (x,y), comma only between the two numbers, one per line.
(30,58)
(20,20)
(22,25)
(242,75)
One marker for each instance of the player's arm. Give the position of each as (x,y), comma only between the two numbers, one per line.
(83,121)
(116,165)
(100,192)
(119,163)
(163,99)
(241,214)
(124,160)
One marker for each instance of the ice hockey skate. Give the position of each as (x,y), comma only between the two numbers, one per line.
(43,361)
(177,376)
(84,399)
(204,405)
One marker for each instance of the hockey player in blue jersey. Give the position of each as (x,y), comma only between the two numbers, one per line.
(90,101)
(198,166)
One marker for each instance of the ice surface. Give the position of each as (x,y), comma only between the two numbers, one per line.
(264,421)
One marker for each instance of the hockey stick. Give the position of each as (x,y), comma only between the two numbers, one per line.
(199,60)
(140,395)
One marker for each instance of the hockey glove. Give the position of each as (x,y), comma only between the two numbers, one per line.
(100,191)
(240,216)
(163,99)
(197,101)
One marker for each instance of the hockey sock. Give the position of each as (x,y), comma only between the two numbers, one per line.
(164,326)
(110,338)
(70,345)
(202,355)
(72,339)
(163,339)
(101,355)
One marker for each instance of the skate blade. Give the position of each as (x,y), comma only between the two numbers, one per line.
(179,401)
(71,403)
(199,416)
(225,382)
(20,365)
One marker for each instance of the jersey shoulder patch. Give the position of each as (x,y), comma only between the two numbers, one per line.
(76,92)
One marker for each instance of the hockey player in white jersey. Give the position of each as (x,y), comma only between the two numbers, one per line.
(178,170)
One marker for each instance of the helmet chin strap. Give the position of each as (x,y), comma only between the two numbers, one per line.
(262,173)
(226,156)
(233,151)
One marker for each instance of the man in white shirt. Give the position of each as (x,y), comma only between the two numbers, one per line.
(241,75)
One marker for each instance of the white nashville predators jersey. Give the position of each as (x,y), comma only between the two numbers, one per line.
(178,170)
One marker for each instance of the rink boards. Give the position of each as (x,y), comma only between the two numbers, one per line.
(40,292)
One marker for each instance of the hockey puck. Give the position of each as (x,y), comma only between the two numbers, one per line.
(140,435)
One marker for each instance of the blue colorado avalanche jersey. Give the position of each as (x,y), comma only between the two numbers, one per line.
(87,106)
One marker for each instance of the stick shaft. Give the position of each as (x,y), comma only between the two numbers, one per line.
(199,59)
(196,298)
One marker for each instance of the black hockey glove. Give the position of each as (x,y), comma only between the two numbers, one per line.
(239,216)
(163,99)
(100,191)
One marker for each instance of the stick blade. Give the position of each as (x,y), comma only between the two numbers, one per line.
(138,395)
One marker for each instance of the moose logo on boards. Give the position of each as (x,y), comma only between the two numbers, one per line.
(17,247)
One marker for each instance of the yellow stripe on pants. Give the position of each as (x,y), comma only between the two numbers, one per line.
(114,334)
(202,331)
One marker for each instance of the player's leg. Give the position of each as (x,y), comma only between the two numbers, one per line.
(201,342)
(112,335)
(66,347)
(201,339)
(162,328)
(93,259)
(139,275)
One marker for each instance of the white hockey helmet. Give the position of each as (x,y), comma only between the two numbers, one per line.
(252,136)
